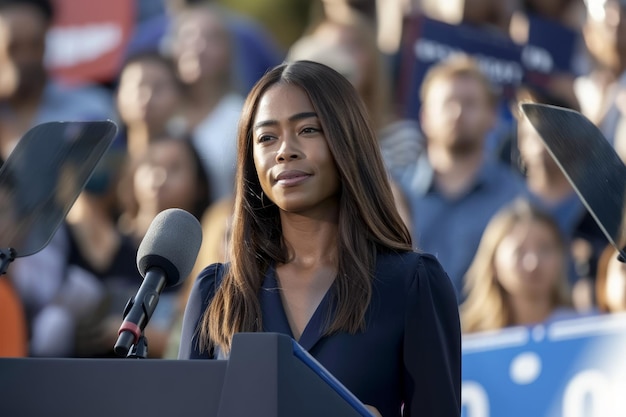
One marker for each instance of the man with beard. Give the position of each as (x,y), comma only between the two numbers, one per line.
(455,188)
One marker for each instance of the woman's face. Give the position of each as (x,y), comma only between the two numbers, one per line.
(201,46)
(529,261)
(294,164)
(167,178)
(148,94)
(532,149)
(605,31)
(616,285)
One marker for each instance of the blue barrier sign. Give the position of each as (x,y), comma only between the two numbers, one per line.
(569,368)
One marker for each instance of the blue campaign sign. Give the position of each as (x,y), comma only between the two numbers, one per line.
(570,368)
(427,42)
(551,48)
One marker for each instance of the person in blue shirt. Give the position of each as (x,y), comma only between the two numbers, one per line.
(256,51)
(319,252)
(455,187)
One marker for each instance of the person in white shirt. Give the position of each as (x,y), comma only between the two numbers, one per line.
(202,47)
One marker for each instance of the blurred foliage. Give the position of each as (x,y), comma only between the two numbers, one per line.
(286,20)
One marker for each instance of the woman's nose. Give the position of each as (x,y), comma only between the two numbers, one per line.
(157,177)
(288,150)
(144,95)
(530,261)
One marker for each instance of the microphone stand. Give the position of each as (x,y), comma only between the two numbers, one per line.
(6,257)
(137,350)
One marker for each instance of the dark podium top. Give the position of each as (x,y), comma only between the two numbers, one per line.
(267,374)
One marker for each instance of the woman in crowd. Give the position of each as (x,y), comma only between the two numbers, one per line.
(148,97)
(168,175)
(519,275)
(203,48)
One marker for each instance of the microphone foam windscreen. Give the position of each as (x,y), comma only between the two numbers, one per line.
(171,243)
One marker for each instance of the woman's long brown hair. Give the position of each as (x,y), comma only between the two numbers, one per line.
(368,219)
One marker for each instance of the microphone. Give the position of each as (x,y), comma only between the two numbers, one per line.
(165,258)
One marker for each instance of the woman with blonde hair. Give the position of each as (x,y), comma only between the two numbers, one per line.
(518,276)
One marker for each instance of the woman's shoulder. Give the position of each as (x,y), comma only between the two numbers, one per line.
(411,266)
(418,278)
(409,261)
(209,279)
(201,295)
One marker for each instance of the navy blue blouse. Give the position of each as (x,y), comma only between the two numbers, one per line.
(409,353)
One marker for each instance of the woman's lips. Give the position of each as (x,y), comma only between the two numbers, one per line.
(291,178)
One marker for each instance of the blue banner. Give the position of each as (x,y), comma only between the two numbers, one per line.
(550,49)
(551,45)
(427,42)
(570,368)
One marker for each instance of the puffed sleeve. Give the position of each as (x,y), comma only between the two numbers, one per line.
(199,298)
(432,344)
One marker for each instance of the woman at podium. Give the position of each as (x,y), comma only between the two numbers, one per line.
(319,253)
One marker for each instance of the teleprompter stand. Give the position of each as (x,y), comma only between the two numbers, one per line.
(6,257)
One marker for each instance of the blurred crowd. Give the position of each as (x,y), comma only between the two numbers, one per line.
(472,178)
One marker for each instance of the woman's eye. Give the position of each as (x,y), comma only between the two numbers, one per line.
(311,130)
(264,138)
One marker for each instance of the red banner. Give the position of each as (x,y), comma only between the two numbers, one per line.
(87,40)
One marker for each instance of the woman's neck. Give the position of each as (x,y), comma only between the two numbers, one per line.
(202,98)
(552,187)
(312,242)
(527,310)
(138,137)
(141,222)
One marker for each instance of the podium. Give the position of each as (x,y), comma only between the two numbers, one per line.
(267,375)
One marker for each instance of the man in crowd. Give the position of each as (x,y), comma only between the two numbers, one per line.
(455,188)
